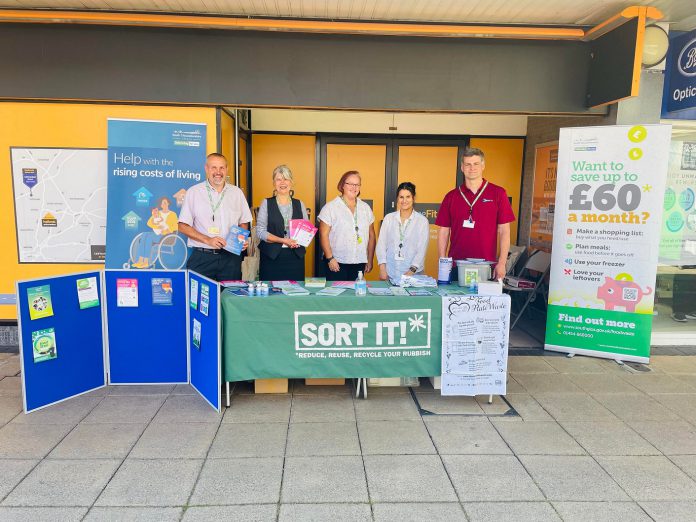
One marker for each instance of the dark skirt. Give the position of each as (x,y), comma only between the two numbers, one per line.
(347,272)
(286,266)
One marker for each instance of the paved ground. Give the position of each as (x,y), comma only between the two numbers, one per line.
(592,441)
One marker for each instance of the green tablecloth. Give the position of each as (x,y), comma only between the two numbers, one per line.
(317,336)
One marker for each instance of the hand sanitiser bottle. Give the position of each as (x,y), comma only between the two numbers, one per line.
(360,285)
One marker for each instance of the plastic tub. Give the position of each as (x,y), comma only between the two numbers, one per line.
(483,269)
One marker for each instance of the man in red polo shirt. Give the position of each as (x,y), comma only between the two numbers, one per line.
(474,219)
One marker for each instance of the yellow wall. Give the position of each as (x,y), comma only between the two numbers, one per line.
(243,165)
(504,167)
(62,125)
(227,139)
(297,152)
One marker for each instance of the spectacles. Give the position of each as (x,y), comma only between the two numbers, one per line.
(352,184)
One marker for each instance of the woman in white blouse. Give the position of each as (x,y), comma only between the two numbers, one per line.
(347,232)
(403,238)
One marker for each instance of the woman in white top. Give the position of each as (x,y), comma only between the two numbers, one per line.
(347,232)
(403,238)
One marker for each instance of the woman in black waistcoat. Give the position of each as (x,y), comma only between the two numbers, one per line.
(282,258)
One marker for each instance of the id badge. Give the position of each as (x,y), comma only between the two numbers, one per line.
(468,224)
(214,231)
(399,257)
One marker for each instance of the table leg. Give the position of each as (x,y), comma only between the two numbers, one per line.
(227,385)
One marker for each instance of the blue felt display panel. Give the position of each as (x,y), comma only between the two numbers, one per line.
(147,343)
(79,365)
(205,362)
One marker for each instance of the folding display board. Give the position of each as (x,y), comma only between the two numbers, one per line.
(61,339)
(204,337)
(146,321)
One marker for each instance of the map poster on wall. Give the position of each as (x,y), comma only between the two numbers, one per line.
(60,204)
(609,201)
(475,332)
(544,198)
(150,166)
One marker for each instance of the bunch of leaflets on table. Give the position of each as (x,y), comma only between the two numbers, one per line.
(418,291)
(315,282)
(379,291)
(302,231)
(298,290)
(287,283)
(234,284)
(235,239)
(331,291)
(416,280)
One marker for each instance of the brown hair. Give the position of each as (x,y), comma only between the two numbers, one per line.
(346,175)
(216,155)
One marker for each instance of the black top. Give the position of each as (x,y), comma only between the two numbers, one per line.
(276,226)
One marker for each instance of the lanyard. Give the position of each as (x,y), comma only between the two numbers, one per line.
(402,231)
(471,205)
(355,218)
(285,214)
(210,198)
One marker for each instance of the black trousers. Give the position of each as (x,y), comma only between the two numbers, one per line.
(219,265)
(346,273)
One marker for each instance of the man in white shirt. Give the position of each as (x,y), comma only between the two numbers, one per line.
(209,210)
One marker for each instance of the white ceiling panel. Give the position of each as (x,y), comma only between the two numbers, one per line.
(682,13)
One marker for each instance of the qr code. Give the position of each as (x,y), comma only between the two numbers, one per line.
(630,294)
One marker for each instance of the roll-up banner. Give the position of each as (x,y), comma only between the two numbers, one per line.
(606,237)
(151,164)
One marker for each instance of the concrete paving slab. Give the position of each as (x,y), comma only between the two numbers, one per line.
(12,471)
(575,407)
(467,438)
(133,514)
(24,441)
(635,407)
(577,364)
(98,441)
(11,386)
(673,364)
(593,383)
(608,438)
(537,438)
(650,478)
(63,483)
(670,437)
(395,438)
(657,383)
(151,483)
(490,478)
(324,479)
(187,440)
(69,412)
(248,513)
(322,439)
(687,463)
(300,388)
(136,409)
(527,408)
(409,512)
(520,364)
(258,408)
(670,511)
(141,389)
(324,512)
(10,407)
(184,389)
(386,407)
(448,405)
(239,481)
(540,384)
(681,404)
(42,514)
(322,408)
(249,440)
(510,512)
(572,478)
(10,367)
(408,478)
(186,408)
(497,408)
(601,511)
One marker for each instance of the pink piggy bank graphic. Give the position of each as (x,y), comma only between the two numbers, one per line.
(621,293)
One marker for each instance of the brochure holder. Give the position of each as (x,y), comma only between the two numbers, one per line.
(204,339)
(147,343)
(78,363)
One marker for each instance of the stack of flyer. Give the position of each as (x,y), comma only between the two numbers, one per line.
(416,280)
(302,231)
(315,282)
(518,282)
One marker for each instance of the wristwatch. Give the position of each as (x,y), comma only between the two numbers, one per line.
(413,268)
(328,259)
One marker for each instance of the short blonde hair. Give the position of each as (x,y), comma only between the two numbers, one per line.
(284,171)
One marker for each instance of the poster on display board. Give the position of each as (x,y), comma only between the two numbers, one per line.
(475,332)
(609,199)
(544,197)
(151,164)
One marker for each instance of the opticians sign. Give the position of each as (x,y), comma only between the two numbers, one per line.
(681,71)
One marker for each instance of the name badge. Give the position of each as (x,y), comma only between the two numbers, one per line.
(468,224)
(214,231)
